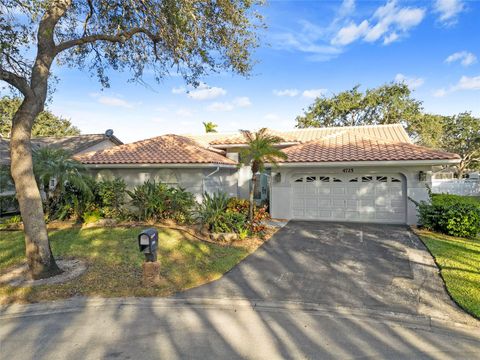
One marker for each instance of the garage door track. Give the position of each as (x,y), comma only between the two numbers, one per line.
(362,266)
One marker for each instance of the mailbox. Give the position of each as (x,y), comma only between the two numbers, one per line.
(148,244)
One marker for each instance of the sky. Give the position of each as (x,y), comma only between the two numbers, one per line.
(310,48)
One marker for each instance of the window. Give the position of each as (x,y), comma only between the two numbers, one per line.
(396,180)
(299,179)
(354,180)
(311,179)
(382,178)
(324,178)
(367,178)
(336,180)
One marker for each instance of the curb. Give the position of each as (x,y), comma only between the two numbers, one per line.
(367,314)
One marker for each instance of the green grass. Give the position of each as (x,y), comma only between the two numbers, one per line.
(459,263)
(114,263)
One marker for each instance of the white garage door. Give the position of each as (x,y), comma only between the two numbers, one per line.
(362,198)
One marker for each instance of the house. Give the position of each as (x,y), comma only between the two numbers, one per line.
(76,145)
(359,174)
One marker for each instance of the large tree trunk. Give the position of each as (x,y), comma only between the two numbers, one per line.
(252,193)
(39,255)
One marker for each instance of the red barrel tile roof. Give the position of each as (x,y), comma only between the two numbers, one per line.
(166,149)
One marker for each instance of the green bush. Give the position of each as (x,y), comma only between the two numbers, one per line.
(242,206)
(155,201)
(110,197)
(92,216)
(214,213)
(451,214)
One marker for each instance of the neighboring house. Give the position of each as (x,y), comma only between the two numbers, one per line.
(76,145)
(363,174)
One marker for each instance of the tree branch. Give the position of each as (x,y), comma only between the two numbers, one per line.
(119,38)
(16,81)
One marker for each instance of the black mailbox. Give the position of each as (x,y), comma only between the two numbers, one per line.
(148,244)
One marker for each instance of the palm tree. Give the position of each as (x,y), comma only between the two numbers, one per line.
(210,127)
(260,149)
(56,164)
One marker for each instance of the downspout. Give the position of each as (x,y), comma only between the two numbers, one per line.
(206,177)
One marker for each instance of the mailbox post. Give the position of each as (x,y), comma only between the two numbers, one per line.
(148,245)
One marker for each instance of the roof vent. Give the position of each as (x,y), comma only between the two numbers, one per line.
(109,133)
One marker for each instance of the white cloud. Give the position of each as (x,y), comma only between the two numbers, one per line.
(347,8)
(466,58)
(448,10)
(440,92)
(411,82)
(242,102)
(271,117)
(389,23)
(183,112)
(286,92)
(178,90)
(239,102)
(313,93)
(350,33)
(465,83)
(112,101)
(468,83)
(205,92)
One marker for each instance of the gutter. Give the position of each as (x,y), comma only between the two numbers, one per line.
(368,163)
(206,177)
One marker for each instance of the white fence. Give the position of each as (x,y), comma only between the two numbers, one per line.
(457,187)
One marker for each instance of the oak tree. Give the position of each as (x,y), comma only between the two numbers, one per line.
(188,37)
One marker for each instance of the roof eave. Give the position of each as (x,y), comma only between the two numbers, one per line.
(370,163)
(163,165)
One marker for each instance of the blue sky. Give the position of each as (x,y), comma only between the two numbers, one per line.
(310,48)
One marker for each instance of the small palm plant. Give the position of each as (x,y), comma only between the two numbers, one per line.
(210,127)
(261,149)
(57,164)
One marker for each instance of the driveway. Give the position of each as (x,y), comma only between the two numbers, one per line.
(315,290)
(382,268)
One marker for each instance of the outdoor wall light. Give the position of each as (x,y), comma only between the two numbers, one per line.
(422,176)
(148,244)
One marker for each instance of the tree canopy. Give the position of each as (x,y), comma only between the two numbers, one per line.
(46,123)
(386,104)
(461,135)
(210,127)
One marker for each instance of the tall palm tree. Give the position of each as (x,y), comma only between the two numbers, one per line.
(260,149)
(56,164)
(210,127)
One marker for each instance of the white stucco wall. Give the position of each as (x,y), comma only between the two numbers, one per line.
(281,192)
(191,179)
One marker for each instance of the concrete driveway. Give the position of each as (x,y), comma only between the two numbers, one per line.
(314,291)
(363,266)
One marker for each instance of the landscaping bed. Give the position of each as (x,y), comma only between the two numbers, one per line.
(114,262)
(459,262)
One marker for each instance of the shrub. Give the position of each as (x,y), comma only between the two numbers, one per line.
(212,210)
(8,203)
(260,213)
(451,214)
(155,201)
(91,216)
(110,197)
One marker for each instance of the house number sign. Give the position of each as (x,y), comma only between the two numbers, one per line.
(348,170)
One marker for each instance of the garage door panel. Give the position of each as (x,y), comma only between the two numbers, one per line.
(352,198)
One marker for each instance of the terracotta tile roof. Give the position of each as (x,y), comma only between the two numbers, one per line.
(166,149)
(392,132)
(352,146)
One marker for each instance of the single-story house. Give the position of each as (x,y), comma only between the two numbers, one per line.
(75,144)
(358,174)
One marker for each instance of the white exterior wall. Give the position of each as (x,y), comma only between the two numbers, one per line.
(281,192)
(194,180)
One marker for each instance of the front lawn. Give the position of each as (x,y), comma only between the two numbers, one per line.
(459,263)
(114,262)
